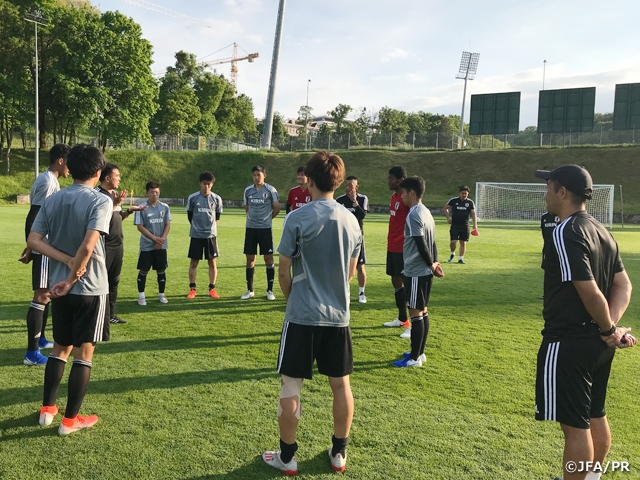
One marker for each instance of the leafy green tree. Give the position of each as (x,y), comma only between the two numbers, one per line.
(279,133)
(181,111)
(339,114)
(393,121)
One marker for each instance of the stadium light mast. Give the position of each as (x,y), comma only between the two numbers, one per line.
(37,19)
(268,117)
(468,69)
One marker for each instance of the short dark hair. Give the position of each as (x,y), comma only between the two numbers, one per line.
(300,170)
(326,169)
(207,177)
(398,172)
(576,199)
(84,161)
(108,170)
(352,177)
(151,185)
(463,188)
(59,150)
(258,168)
(414,183)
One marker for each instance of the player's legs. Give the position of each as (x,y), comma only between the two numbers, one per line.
(79,378)
(271,273)
(342,406)
(600,438)
(362,276)
(578,447)
(463,248)
(289,408)
(213,271)
(452,248)
(114,269)
(35,318)
(193,272)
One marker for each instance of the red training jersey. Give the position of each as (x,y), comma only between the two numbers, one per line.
(398,211)
(298,197)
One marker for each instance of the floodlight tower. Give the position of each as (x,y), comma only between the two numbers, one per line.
(271,96)
(37,19)
(468,69)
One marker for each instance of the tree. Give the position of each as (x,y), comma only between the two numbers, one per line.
(393,121)
(181,111)
(279,134)
(339,114)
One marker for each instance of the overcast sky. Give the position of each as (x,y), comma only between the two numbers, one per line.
(404,54)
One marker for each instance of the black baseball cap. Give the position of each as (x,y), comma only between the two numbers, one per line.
(574,178)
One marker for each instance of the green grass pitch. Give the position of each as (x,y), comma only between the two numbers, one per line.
(188,390)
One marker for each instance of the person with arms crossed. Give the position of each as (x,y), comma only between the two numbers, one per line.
(261,204)
(153,224)
(299,196)
(586,292)
(75,220)
(46,184)
(420,256)
(395,242)
(316,322)
(114,240)
(203,211)
(457,210)
(357,204)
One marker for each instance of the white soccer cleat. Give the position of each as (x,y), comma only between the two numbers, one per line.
(141,300)
(406,333)
(47,414)
(273,460)
(162,298)
(362,298)
(247,296)
(270,295)
(338,463)
(394,323)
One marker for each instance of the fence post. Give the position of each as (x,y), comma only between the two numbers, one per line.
(414,141)
(370,142)
(452,141)
(600,134)
(329,147)
(391,140)
(349,141)
(480,142)
(437,138)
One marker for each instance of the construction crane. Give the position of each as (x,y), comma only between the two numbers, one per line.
(234,63)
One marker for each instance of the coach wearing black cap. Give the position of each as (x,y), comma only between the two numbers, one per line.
(586,292)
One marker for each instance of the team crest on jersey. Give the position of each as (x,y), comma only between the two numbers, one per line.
(307,198)
(161,214)
(397,205)
(466,204)
(265,195)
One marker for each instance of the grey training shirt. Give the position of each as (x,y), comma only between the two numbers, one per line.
(65,218)
(204,209)
(46,184)
(153,219)
(321,238)
(419,224)
(260,205)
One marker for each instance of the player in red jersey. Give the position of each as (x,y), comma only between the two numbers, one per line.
(395,240)
(299,196)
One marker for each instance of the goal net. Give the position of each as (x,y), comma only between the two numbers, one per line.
(525,202)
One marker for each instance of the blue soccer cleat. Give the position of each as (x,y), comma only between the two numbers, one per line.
(44,343)
(34,358)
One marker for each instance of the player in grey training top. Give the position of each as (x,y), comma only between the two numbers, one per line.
(261,204)
(203,211)
(153,224)
(318,256)
(75,221)
(46,184)
(420,265)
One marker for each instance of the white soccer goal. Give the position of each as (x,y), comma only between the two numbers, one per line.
(525,202)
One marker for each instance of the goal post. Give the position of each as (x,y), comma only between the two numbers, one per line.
(525,202)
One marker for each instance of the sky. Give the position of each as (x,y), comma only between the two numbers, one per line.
(403,54)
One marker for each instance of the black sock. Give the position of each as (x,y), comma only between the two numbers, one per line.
(34,324)
(45,317)
(401,303)
(287,451)
(417,332)
(212,286)
(142,282)
(250,271)
(162,281)
(52,376)
(339,446)
(271,272)
(426,333)
(78,383)
(192,286)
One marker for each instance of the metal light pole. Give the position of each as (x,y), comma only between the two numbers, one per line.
(468,69)
(544,71)
(37,19)
(306,118)
(268,118)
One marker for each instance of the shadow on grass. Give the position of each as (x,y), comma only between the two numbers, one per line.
(27,421)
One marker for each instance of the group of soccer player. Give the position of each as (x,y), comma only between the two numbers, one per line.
(74,239)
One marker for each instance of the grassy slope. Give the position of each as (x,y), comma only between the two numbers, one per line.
(443,171)
(188,390)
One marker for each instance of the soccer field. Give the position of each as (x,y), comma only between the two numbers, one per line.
(189,390)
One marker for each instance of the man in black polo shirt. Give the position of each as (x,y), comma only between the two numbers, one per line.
(586,292)
(458,210)
(114,240)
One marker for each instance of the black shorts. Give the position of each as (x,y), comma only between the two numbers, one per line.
(459,232)
(152,258)
(395,264)
(330,347)
(417,291)
(362,258)
(39,271)
(571,381)
(79,319)
(203,246)
(258,236)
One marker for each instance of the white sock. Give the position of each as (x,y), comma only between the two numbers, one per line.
(361,290)
(461,257)
(453,254)
(592,476)
(140,294)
